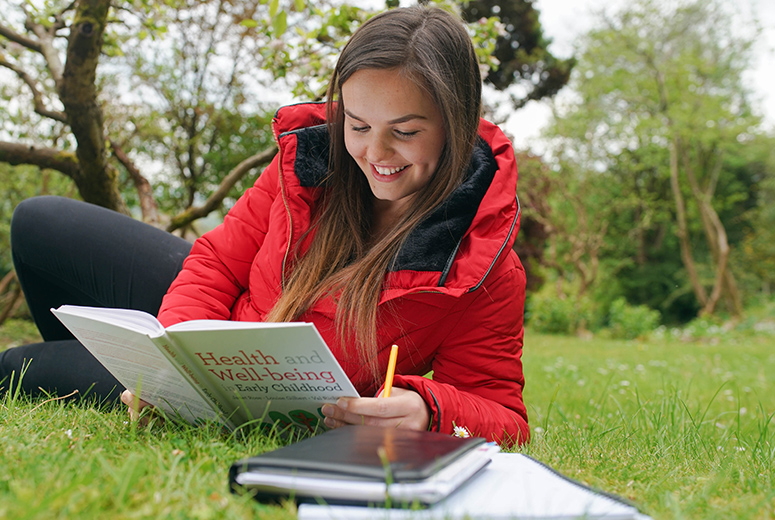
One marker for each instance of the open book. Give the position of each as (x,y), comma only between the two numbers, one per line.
(231,372)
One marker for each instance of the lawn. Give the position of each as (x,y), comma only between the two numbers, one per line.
(684,429)
(681,424)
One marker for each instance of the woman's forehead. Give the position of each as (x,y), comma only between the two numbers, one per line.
(386,95)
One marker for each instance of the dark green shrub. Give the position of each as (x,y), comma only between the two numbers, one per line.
(627,321)
(546,312)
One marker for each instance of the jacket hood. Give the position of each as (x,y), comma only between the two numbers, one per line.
(459,242)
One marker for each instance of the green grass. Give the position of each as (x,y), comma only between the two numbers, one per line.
(683,428)
(81,461)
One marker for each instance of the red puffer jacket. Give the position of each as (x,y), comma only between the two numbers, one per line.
(454,296)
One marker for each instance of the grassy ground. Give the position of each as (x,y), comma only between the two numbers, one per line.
(680,424)
(683,429)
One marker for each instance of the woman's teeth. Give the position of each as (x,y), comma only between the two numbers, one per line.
(389,171)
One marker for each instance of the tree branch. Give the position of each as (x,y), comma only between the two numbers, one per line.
(46,48)
(715,174)
(20,39)
(15,296)
(37,96)
(59,22)
(148,205)
(226,185)
(6,281)
(16,154)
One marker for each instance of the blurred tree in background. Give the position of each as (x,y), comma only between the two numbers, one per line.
(656,143)
(165,106)
(755,255)
(526,67)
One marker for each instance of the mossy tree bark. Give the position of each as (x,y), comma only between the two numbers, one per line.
(97,179)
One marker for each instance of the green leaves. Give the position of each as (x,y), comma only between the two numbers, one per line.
(515,50)
(274,5)
(484,34)
(279,24)
(656,82)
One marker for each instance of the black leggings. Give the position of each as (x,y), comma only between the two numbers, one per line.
(71,252)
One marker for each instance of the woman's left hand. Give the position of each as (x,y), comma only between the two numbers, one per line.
(136,406)
(403,409)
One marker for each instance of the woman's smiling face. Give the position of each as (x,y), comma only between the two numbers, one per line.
(395,133)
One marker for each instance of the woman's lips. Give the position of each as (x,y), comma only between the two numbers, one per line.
(387,173)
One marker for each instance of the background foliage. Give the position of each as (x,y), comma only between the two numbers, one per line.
(654,190)
(654,182)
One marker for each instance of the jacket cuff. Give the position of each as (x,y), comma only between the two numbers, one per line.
(420,385)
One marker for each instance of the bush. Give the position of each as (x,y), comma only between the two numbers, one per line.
(627,321)
(548,313)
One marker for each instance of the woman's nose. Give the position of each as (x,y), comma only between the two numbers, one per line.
(379,149)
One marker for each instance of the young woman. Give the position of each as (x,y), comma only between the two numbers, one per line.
(387,216)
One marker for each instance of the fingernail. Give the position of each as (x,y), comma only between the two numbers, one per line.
(329,422)
(327,410)
(342,403)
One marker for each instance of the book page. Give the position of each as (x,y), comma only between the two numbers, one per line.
(277,373)
(198,325)
(138,321)
(134,360)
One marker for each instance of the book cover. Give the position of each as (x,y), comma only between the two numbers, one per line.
(234,372)
(364,464)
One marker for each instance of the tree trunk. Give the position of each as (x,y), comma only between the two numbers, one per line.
(97,180)
(683,230)
(11,296)
(716,234)
(680,205)
(148,206)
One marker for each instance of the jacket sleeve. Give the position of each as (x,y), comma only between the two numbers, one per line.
(216,271)
(477,372)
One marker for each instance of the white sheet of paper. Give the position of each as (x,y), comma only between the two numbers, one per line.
(513,486)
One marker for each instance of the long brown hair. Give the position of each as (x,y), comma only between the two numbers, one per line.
(431,48)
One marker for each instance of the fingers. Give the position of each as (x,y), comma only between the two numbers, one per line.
(135,406)
(404,409)
(127,397)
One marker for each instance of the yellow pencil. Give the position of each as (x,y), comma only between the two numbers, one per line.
(391,370)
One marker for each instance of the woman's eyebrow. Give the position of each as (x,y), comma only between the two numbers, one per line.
(402,119)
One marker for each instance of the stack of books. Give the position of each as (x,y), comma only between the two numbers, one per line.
(365,465)
(371,473)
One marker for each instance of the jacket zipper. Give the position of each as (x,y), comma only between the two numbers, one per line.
(503,246)
(489,269)
(280,177)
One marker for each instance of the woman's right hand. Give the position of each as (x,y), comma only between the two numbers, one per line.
(135,407)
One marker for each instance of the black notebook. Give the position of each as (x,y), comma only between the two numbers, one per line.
(364,465)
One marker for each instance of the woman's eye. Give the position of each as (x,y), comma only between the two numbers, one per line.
(359,128)
(405,134)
